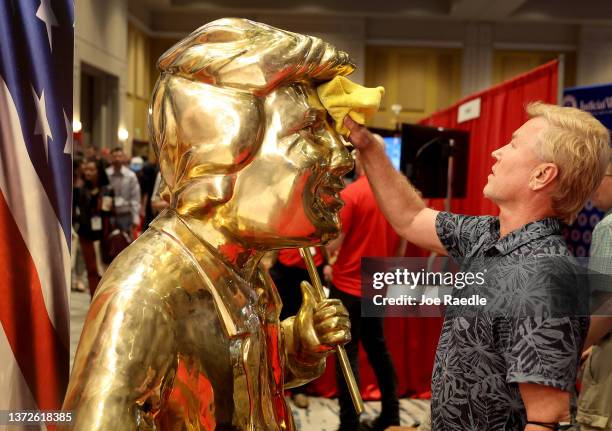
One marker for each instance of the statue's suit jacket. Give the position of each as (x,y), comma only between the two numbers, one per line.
(177,340)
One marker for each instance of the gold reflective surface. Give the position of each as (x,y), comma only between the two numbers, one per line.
(184,332)
(343,361)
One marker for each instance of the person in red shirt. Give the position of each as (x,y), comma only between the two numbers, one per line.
(365,232)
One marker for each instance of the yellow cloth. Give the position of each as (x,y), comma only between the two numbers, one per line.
(342,97)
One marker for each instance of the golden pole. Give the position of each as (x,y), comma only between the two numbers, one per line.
(340,351)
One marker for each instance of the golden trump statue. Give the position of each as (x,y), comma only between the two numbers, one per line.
(184,330)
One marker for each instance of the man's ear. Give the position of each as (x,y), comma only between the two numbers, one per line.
(543,175)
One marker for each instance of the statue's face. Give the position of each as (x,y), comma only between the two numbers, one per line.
(288,194)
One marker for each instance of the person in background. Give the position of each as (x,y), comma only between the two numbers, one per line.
(76,256)
(595,401)
(90,152)
(147,184)
(365,232)
(136,165)
(92,207)
(105,156)
(127,193)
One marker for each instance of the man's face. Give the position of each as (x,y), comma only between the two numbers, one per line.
(514,164)
(602,196)
(90,152)
(90,171)
(288,194)
(117,158)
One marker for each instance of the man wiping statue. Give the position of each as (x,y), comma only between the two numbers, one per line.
(184,330)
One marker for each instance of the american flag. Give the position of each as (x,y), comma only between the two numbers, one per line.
(36,66)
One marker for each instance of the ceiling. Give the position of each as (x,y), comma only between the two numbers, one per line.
(153,13)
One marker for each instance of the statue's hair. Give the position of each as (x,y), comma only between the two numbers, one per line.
(229,59)
(251,56)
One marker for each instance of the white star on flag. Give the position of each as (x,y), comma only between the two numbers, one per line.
(42,123)
(68,146)
(45,14)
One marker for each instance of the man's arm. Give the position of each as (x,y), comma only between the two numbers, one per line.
(600,326)
(541,357)
(333,247)
(401,247)
(544,404)
(397,198)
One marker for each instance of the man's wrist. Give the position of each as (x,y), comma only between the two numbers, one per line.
(544,426)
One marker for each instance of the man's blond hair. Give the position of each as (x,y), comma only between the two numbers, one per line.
(579,145)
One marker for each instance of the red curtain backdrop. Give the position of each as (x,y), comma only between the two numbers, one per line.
(502,111)
(412,341)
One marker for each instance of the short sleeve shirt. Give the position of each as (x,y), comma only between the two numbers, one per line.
(483,355)
(601,246)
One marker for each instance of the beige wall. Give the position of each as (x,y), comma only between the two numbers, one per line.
(421,80)
(143,52)
(595,55)
(101,41)
(138,83)
(510,63)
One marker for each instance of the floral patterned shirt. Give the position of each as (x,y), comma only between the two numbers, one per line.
(485,352)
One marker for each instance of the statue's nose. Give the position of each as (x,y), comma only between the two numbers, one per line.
(341,160)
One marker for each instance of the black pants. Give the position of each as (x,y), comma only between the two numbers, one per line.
(368,330)
(287,280)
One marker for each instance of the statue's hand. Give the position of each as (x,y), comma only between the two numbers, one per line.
(320,327)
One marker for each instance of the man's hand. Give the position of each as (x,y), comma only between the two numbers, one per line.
(360,136)
(585,355)
(398,200)
(320,327)
(544,404)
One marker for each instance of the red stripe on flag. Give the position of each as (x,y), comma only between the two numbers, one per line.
(39,352)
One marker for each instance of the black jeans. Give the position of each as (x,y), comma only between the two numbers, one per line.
(368,330)
(287,280)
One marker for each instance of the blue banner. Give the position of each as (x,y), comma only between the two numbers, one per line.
(597,100)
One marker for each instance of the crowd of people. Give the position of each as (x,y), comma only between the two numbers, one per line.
(112,204)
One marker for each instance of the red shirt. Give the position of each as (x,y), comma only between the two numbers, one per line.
(367,234)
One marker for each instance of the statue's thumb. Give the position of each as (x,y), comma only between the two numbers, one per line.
(308,297)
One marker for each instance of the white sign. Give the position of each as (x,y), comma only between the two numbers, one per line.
(469,111)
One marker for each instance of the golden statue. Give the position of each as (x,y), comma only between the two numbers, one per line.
(184,332)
